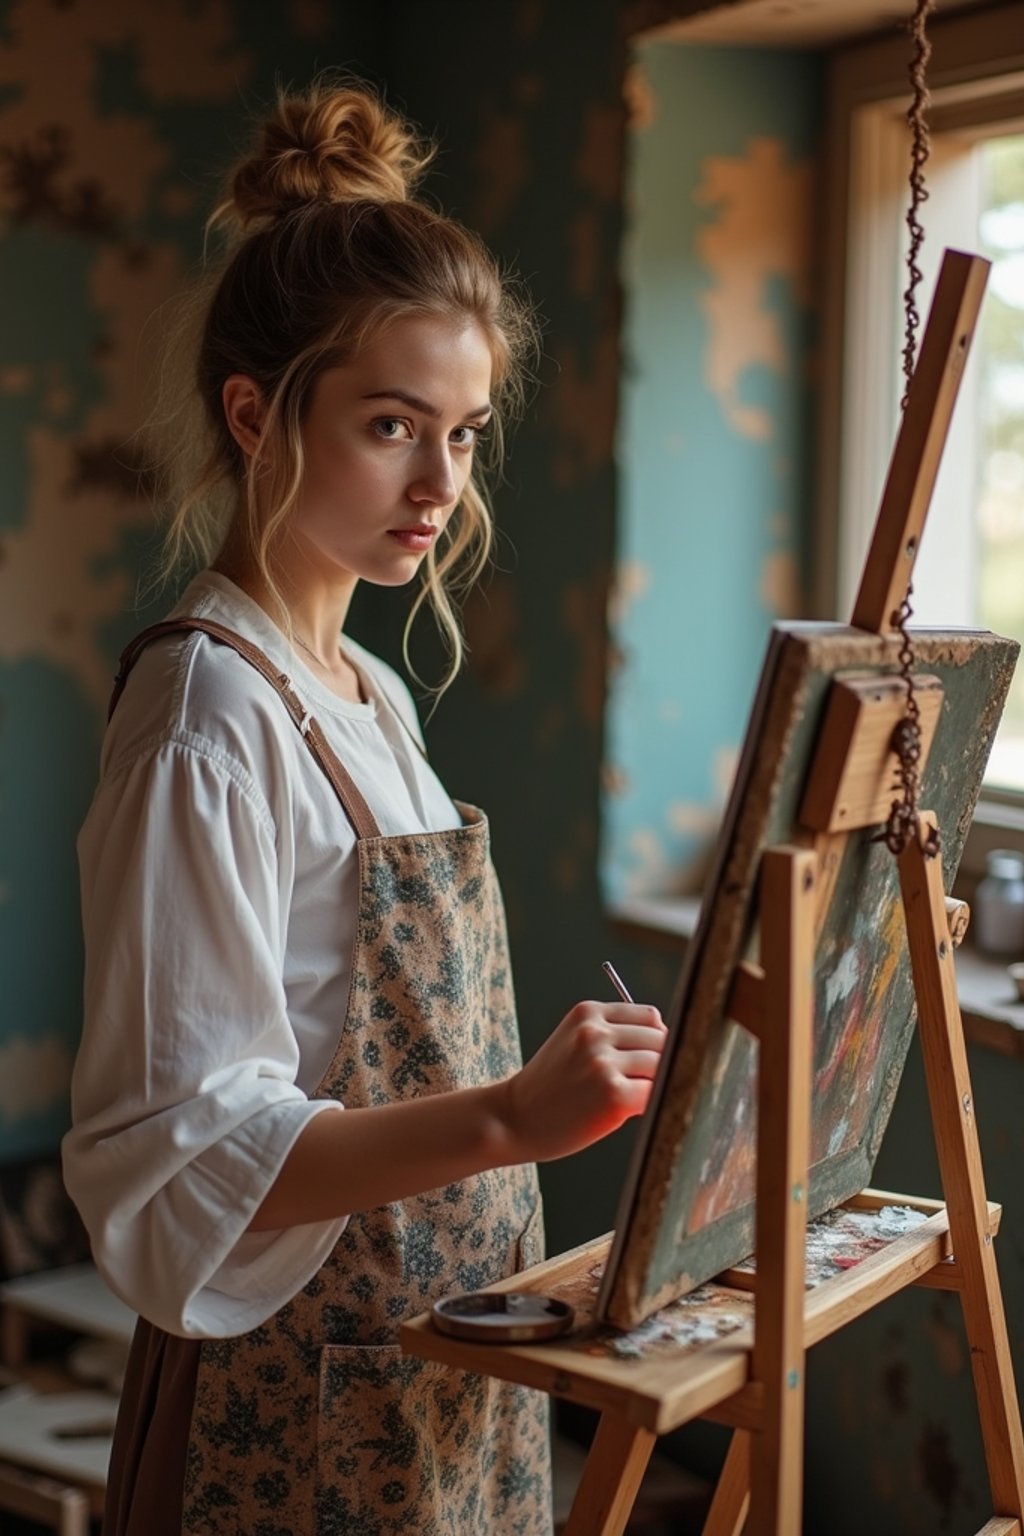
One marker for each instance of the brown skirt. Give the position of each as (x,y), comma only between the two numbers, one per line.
(147,1463)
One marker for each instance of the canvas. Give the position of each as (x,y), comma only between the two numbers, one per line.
(687,1210)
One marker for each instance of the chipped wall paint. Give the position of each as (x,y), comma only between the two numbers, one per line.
(110,138)
(114,124)
(714,434)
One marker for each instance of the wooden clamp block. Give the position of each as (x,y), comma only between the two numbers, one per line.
(746,998)
(854,777)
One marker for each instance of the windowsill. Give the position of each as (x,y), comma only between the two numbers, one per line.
(997,808)
(992,1016)
(998,822)
(668,921)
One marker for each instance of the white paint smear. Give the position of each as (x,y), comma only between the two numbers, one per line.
(842,980)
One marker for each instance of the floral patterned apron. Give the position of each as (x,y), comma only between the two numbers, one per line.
(315,1423)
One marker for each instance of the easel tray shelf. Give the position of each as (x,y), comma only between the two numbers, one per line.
(693,1358)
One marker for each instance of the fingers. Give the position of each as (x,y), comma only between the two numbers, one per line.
(595,1071)
(599,1029)
(620,1013)
(623,1040)
(638,1063)
(635,1037)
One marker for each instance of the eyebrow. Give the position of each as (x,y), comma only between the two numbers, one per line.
(424,406)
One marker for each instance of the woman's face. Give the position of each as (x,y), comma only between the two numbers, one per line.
(388,442)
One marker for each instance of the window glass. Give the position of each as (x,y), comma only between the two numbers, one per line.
(1000,502)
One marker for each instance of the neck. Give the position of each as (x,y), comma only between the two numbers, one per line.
(305,605)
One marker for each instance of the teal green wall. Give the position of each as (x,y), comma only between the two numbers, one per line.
(714,436)
(115,122)
(102,223)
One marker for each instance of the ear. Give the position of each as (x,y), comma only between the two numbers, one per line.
(244,411)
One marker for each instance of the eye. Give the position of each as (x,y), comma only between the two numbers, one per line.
(466,436)
(390,428)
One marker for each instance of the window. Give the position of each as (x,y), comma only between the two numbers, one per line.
(966,572)
(971,568)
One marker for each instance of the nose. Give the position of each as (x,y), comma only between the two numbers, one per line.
(435,483)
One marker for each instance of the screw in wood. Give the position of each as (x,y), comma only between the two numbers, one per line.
(942,949)
(793,1379)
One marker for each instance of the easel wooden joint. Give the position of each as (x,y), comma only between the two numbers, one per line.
(752,1376)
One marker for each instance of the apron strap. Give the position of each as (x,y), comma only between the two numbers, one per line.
(344,786)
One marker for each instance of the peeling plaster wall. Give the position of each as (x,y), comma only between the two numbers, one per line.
(114,124)
(714,440)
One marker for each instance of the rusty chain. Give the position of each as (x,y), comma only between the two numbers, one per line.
(903,820)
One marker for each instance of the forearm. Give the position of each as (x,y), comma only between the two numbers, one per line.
(362,1158)
(589,1076)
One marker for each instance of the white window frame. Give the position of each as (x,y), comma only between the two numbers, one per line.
(976,76)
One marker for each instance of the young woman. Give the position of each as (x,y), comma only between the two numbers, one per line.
(300,1113)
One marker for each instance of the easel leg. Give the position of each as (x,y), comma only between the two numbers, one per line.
(611,1478)
(787,910)
(963,1183)
(728,1513)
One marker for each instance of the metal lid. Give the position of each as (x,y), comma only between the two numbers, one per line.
(1005,864)
(509,1317)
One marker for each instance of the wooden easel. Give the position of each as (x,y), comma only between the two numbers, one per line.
(753,1378)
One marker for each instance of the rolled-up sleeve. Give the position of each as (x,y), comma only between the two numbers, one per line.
(184,1100)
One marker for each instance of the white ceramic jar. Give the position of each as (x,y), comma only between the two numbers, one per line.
(998,906)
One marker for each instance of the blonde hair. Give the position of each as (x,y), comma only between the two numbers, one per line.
(326,247)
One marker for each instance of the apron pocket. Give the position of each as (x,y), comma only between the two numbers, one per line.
(392,1437)
(530,1248)
(410,1447)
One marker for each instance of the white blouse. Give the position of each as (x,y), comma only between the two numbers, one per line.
(219,897)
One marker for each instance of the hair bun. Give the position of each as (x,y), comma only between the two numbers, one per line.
(328,145)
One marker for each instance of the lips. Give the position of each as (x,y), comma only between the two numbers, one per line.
(417,536)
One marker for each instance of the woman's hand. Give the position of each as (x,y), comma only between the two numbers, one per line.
(592,1073)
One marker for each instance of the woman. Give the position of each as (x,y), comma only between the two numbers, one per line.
(300,1113)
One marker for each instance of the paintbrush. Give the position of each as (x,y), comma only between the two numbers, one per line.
(616,981)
